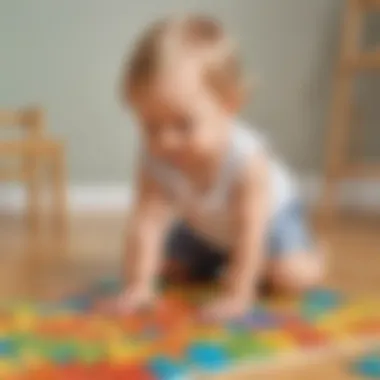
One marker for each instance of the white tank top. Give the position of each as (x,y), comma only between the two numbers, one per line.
(210,214)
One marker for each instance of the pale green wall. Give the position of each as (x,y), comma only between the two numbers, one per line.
(66,55)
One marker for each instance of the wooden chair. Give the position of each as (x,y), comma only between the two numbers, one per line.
(352,60)
(42,160)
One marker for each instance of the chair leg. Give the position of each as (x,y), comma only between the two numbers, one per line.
(341,111)
(59,189)
(33,190)
(328,210)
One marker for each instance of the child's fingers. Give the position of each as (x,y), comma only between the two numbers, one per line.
(222,311)
(211,313)
(133,302)
(127,303)
(115,305)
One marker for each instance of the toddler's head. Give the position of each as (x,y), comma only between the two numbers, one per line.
(185,83)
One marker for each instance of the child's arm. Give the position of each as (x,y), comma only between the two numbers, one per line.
(253,204)
(145,239)
(252,210)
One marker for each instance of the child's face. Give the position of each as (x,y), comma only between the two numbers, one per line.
(182,120)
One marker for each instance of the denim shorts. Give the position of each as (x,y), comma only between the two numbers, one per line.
(288,233)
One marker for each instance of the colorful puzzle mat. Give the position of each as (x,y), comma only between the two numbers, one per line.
(67,340)
(368,365)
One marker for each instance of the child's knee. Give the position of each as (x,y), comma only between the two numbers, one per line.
(299,273)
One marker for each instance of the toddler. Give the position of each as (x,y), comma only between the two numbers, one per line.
(212,201)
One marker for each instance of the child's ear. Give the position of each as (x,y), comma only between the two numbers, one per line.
(234,103)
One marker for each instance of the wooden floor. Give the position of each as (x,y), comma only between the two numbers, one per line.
(47,263)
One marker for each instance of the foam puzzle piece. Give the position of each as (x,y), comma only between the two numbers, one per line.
(278,340)
(243,345)
(62,352)
(207,357)
(74,372)
(79,304)
(369,365)
(24,321)
(68,339)
(123,351)
(135,372)
(7,347)
(150,333)
(317,302)
(99,371)
(368,327)
(107,286)
(89,353)
(166,369)
(308,337)
(323,297)
(258,319)
(7,368)
(211,333)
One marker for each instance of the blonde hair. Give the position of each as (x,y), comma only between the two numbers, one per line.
(195,36)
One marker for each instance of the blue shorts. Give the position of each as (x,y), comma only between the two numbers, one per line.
(288,233)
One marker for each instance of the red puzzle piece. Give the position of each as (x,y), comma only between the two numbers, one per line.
(305,334)
(105,371)
(134,372)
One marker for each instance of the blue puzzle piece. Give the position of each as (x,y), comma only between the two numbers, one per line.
(207,357)
(78,304)
(108,286)
(327,298)
(319,302)
(369,366)
(7,347)
(166,369)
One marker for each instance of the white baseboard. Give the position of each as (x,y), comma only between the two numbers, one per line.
(81,198)
(358,195)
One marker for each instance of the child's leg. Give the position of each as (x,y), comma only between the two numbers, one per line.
(297,271)
(295,262)
(191,258)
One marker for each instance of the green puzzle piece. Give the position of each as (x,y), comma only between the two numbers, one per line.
(241,346)
(89,353)
(23,341)
(64,352)
(56,351)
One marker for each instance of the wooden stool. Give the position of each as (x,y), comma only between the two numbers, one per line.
(351,61)
(42,159)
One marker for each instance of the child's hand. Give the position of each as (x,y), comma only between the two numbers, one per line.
(135,298)
(226,307)
(130,301)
